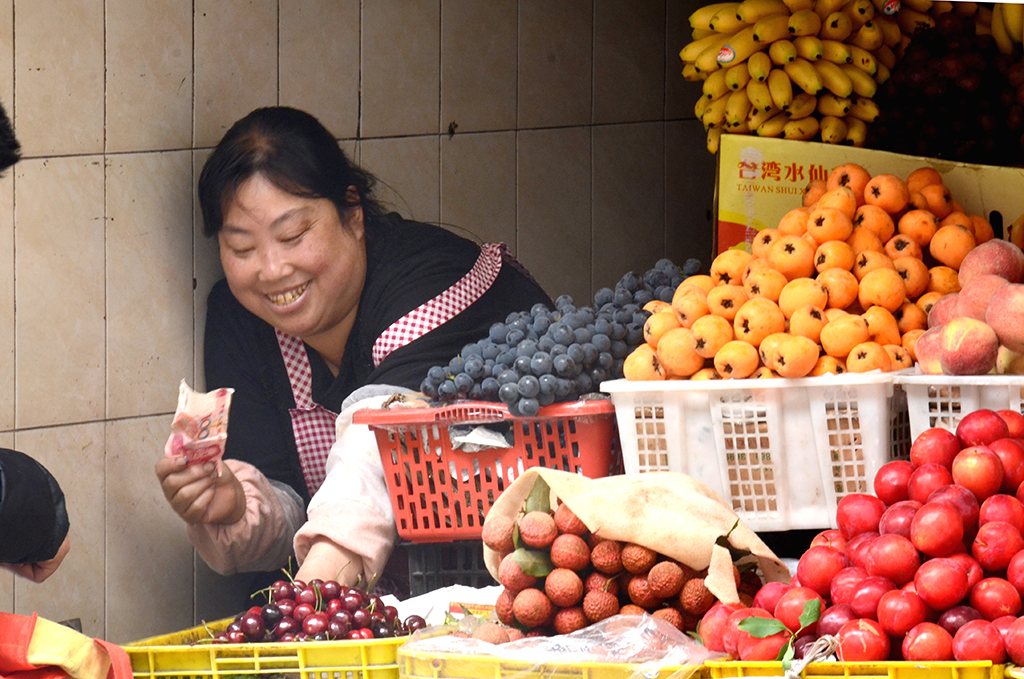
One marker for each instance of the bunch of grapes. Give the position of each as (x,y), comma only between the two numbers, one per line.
(542,356)
(317,611)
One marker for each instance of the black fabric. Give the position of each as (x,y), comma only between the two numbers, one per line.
(33,516)
(408,263)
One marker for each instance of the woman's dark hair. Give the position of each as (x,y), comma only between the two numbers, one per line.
(295,153)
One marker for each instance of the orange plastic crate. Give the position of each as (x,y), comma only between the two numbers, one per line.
(440,494)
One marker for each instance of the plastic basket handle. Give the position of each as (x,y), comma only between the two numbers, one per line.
(471,412)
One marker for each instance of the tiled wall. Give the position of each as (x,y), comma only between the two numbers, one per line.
(562,128)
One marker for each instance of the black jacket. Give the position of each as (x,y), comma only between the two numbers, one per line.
(33,518)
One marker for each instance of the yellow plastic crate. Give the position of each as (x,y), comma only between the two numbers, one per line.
(174,656)
(422,665)
(981,669)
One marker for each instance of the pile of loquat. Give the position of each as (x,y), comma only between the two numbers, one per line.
(843,283)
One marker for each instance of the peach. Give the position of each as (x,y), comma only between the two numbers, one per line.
(967,346)
(943,311)
(1005,314)
(996,256)
(927,349)
(972,300)
(1009,362)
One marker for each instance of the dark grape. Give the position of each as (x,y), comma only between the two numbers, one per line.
(529,386)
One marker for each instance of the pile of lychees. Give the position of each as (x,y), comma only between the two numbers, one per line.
(559,577)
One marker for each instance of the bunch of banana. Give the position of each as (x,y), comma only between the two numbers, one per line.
(1007,26)
(799,69)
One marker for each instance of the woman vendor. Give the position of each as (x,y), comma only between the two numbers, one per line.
(327,299)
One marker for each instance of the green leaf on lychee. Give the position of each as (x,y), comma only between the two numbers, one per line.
(539,499)
(533,562)
(761,627)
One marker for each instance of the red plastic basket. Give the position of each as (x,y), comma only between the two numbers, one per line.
(440,494)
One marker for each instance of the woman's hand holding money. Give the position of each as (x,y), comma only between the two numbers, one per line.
(198,493)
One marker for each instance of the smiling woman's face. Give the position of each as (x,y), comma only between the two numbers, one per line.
(292,262)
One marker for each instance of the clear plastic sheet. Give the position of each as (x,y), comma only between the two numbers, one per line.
(641,646)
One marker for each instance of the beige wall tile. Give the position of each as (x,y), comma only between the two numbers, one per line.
(7,55)
(149,281)
(554,207)
(319,61)
(400,67)
(206,270)
(59,84)
(629,200)
(408,170)
(478,64)
(555,62)
(7,301)
(236,63)
(629,60)
(149,82)
(147,552)
(478,186)
(59,274)
(74,455)
(689,193)
(6,576)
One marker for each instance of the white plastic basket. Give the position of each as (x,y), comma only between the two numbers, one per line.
(941,400)
(780,452)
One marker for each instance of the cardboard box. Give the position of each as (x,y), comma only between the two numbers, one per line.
(760,180)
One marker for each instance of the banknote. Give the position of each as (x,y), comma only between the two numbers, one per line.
(200,426)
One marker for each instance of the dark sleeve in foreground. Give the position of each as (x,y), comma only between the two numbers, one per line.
(33,517)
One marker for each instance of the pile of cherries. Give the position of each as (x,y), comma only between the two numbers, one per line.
(317,611)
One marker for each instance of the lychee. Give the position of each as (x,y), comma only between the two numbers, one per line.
(568,522)
(598,605)
(563,587)
(569,620)
(695,597)
(492,633)
(640,593)
(602,582)
(515,634)
(665,579)
(607,557)
(532,608)
(670,615)
(503,607)
(537,529)
(637,558)
(497,533)
(632,609)
(570,551)
(512,576)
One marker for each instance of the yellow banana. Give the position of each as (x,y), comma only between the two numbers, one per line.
(698,33)
(782,52)
(1013,16)
(833,130)
(714,114)
(760,96)
(707,60)
(856,131)
(713,139)
(836,52)
(885,55)
(869,36)
(715,85)
(757,117)
(863,84)
(865,109)
(863,60)
(883,6)
(803,129)
(736,77)
(803,105)
(891,32)
(701,106)
(965,9)
(859,11)
(751,11)
(690,73)
(804,75)
(882,74)
(941,7)
(799,5)
(742,128)
(759,64)
(825,7)
(831,105)
(808,47)
(1002,38)
(736,109)
(726,21)
(773,127)
(834,79)
(836,26)
(771,28)
(692,50)
(917,5)
(738,48)
(781,88)
(912,22)
(804,22)
(701,18)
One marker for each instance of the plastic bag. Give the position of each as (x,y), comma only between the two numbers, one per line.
(645,646)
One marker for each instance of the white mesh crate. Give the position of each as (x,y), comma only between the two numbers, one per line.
(780,452)
(942,400)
